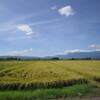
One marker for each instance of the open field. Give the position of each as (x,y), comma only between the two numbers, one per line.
(29,80)
(23,75)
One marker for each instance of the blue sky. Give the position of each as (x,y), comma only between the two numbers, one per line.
(49,27)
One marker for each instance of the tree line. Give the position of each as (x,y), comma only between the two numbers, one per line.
(53,58)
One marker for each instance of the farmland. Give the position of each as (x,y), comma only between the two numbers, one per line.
(30,75)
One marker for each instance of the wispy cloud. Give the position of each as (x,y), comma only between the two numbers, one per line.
(14,22)
(46,22)
(96,46)
(11,26)
(16,53)
(14,26)
(18,38)
(54,7)
(25,28)
(67,10)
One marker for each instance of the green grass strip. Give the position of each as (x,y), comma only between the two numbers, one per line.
(72,91)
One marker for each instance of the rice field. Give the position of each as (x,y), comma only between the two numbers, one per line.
(30,75)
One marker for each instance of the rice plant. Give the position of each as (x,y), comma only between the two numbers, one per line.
(23,75)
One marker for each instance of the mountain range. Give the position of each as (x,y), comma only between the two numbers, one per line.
(81,55)
(74,55)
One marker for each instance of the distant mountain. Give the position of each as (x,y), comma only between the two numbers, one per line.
(81,55)
(75,55)
(46,57)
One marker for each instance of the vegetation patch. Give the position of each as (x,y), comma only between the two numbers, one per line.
(85,90)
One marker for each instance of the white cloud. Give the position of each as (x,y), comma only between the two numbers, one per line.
(16,53)
(54,7)
(76,51)
(94,46)
(67,10)
(25,28)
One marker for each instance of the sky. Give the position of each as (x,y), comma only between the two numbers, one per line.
(49,27)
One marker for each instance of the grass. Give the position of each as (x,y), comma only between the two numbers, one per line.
(30,75)
(84,90)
